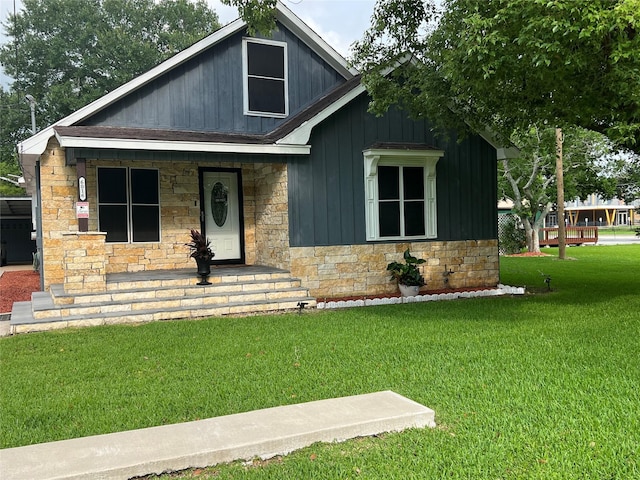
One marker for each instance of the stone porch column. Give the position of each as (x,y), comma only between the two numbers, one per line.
(84,262)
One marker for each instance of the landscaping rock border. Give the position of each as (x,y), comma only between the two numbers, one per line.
(365,302)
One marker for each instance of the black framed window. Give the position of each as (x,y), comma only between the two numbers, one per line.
(401,199)
(265,83)
(129,204)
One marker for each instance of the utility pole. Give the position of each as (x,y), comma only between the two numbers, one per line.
(560,184)
(32,105)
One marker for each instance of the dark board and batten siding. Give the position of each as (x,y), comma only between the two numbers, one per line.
(326,193)
(205,94)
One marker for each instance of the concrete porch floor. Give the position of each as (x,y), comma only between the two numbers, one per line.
(190,273)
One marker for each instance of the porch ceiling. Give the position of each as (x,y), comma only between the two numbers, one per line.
(12,207)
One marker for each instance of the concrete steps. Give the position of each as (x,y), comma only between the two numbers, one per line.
(244,436)
(164,295)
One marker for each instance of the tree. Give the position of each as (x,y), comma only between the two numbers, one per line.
(509,64)
(529,181)
(67,53)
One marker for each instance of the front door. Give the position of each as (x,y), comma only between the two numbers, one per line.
(220,200)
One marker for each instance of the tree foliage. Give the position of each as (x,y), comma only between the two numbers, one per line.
(67,53)
(259,14)
(629,179)
(14,124)
(509,64)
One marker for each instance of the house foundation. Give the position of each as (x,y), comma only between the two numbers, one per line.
(350,270)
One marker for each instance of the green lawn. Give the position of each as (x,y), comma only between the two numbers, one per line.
(538,386)
(617,231)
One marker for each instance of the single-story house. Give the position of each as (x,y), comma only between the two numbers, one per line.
(267,146)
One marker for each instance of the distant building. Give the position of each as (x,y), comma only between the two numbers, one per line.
(596,211)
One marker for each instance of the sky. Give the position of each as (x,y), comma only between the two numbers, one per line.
(338,22)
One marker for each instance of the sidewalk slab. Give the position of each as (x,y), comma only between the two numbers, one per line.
(5,327)
(261,433)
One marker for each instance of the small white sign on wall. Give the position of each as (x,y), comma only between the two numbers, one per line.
(82,209)
(82,188)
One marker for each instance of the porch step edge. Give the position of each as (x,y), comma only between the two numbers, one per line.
(188,301)
(60,297)
(144,316)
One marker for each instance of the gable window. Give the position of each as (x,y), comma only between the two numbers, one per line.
(129,204)
(265,78)
(400,193)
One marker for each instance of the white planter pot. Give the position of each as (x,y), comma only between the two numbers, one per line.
(408,291)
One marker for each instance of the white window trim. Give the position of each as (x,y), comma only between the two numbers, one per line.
(245,78)
(400,158)
(130,204)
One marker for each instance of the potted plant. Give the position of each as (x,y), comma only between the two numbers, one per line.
(201,251)
(407,274)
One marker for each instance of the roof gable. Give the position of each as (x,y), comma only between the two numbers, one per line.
(36,144)
(290,137)
(206,93)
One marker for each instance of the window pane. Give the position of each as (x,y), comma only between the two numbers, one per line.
(146,223)
(389,219)
(388,183)
(112,185)
(144,186)
(413,178)
(266,95)
(113,220)
(414,218)
(265,60)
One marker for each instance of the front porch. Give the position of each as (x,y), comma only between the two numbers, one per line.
(163,295)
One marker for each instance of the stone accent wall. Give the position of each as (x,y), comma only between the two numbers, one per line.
(271,216)
(342,271)
(85,260)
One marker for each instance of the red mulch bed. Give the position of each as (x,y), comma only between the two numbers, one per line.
(529,254)
(17,287)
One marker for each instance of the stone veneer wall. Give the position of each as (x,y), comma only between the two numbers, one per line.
(342,271)
(271,216)
(84,257)
(180,211)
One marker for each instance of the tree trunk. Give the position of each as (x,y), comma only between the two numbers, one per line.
(535,239)
(562,247)
(532,232)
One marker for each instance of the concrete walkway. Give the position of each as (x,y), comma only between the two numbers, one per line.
(261,433)
(15,268)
